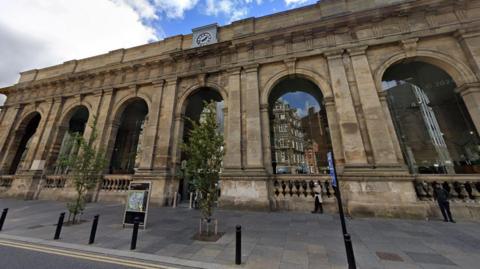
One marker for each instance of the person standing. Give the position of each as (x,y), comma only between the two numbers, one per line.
(317,189)
(442,199)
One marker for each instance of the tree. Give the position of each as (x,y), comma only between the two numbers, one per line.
(204,151)
(85,163)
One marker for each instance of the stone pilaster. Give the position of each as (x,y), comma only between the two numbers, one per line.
(9,120)
(48,136)
(391,128)
(471,96)
(335,135)
(470,43)
(253,121)
(164,135)
(377,127)
(233,146)
(352,144)
(102,111)
(267,150)
(151,128)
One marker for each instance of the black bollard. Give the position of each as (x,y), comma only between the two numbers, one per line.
(59,226)
(133,244)
(4,216)
(238,246)
(93,232)
(349,249)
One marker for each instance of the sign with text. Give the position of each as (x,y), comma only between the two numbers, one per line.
(331,167)
(136,207)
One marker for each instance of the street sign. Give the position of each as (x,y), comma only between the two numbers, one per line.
(138,198)
(331,167)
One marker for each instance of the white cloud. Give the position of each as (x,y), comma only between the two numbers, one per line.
(294,3)
(175,8)
(38,33)
(232,9)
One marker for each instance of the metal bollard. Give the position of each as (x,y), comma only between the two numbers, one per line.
(93,232)
(238,245)
(133,244)
(349,249)
(4,216)
(59,226)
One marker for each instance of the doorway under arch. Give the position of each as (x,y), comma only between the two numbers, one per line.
(22,140)
(74,125)
(299,132)
(124,158)
(434,128)
(193,109)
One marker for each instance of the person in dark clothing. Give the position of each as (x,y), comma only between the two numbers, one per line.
(442,198)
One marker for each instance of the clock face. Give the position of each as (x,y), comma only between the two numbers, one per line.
(203,38)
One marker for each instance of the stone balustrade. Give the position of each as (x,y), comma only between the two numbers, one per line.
(6,181)
(54,182)
(284,187)
(294,192)
(117,183)
(460,188)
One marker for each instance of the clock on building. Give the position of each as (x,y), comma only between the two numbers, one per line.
(204,35)
(203,38)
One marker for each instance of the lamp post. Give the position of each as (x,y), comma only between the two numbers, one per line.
(346,237)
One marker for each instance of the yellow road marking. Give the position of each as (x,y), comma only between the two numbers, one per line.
(84,256)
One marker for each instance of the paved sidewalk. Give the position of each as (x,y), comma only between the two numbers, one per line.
(276,240)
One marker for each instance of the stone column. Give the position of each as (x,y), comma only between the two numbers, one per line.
(335,135)
(151,128)
(353,148)
(253,121)
(164,134)
(48,136)
(8,127)
(103,113)
(233,147)
(470,43)
(471,96)
(7,123)
(391,128)
(267,149)
(377,127)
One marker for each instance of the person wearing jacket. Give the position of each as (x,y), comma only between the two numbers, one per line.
(317,189)
(442,199)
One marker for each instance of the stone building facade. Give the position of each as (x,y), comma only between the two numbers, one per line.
(344,52)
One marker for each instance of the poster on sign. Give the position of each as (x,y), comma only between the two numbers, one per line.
(331,167)
(136,207)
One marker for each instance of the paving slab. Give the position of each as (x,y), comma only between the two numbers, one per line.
(270,240)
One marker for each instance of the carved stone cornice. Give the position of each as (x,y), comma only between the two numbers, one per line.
(357,51)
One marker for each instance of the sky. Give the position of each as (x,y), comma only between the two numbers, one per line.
(40,33)
(302,101)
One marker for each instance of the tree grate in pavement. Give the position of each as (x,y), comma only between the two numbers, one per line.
(388,256)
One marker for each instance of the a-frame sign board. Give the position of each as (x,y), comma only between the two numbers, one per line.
(138,199)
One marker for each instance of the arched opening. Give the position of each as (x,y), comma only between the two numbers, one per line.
(434,128)
(71,128)
(193,109)
(299,133)
(22,140)
(128,137)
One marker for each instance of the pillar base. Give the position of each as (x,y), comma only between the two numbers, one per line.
(25,184)
(244,192)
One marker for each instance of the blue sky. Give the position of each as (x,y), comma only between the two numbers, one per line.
(301,101)
(204,14)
